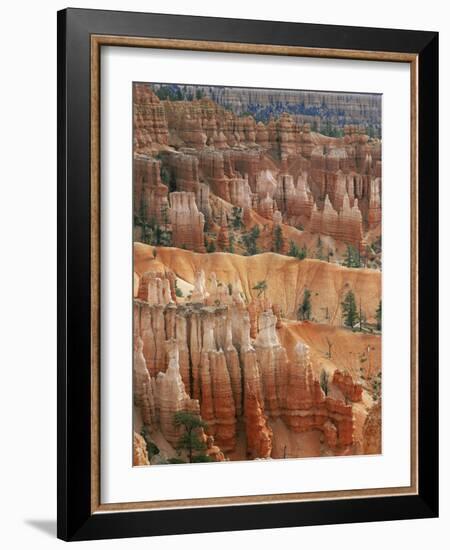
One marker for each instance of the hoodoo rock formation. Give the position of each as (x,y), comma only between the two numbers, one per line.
(187,222)
(205,355)
(308,407)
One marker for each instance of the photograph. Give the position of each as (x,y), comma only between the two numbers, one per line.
(257,269)
(231,225)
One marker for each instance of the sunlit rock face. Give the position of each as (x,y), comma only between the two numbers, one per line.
(172,397)
(187,222)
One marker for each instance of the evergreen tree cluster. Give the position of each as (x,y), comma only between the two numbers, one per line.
(296,252)
(153,233)
(352,257)
(236,218)
(250,241)
(278,239)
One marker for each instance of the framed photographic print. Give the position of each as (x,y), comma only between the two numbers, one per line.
(247,274)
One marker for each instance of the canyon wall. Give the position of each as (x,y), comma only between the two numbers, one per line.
(286,279)
(323,185)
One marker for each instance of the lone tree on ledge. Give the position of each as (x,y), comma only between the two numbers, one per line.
(190,440)
(349,310)
(261,287)
(250,241)
(324,381)
(304,311)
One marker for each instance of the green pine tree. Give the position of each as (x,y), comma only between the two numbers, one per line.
(378,316)
(352,257)
(304,311)
(324,381)
(278,238)
(250,241)
(296,252)
(231,248)
(319,249)
(261,287)
(236,218)
(349,310)
(210,246)
(190,441)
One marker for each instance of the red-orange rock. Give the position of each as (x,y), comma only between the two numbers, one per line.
(217,401)
(255,308)
(372,431)
(307,408)
(150,323)
(185,171)
(295,202)
(213,450)
(374,212)
(140,455)
(143,385)
(150,124)
(240,192)
(171,397)
(150,202)
(223,238)
(343,380)
(156,288)
(273,363)
(345,226)
(259,434)
(187,222)
(265,207)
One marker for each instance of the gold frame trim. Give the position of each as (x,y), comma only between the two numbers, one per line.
(97,41)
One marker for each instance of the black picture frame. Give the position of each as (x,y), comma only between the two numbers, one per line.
(75,518)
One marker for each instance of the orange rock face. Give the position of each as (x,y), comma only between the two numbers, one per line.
(156,288)
(273,363)
(345,225)
(307,407)
(171,397)
(223,238)
(150,124)
(151,202)
(350,390)
(259,434)
(187,222)
(372,431)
